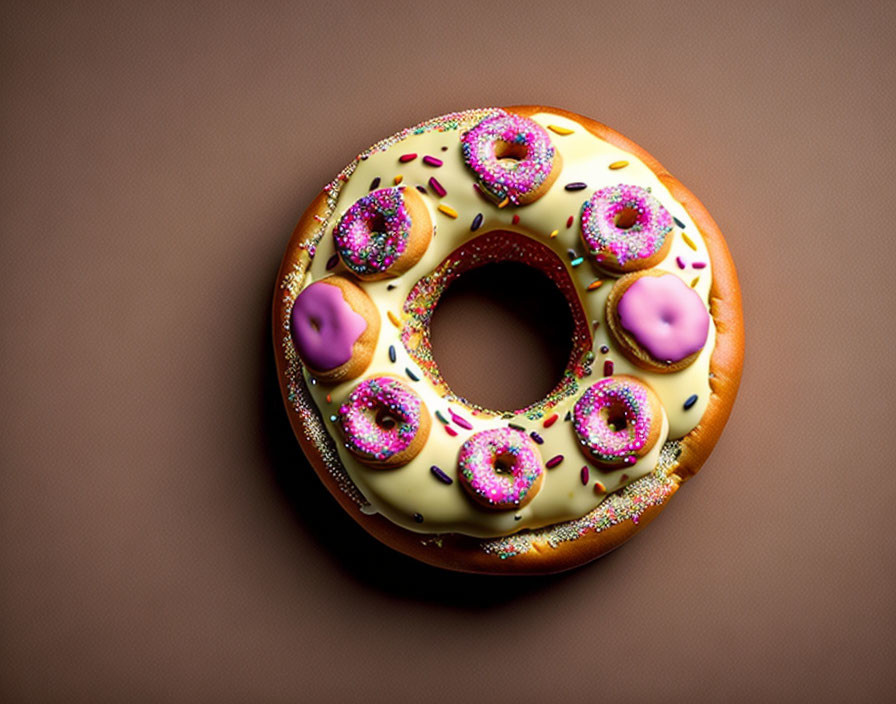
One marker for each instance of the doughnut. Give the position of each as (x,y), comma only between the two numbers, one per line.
(655,357)
(383,233)
(625,228)
(512,157)
(658,321)
(334,326)
(617,420)
(500,468)
(384,422)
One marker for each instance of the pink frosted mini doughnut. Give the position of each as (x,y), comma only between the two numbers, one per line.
(617,420)
(384,422)
(659,322)
(512,157)
(383,233)
(625,228)
(500,468)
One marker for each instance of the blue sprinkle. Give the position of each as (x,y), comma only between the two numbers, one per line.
(392,354)
(536,437)
(477,223)
(333,419)
(411,374)
(678,222)
(442,419)
(576,261)
(440,475)
(692,399)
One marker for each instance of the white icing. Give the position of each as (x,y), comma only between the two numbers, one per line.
(412,489)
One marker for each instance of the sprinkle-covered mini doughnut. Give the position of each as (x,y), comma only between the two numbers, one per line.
(617,421)
(513,158)
(625,228)
(383,233)
(384,422)
(500,468)
(528,185)
(334,327)
(660,322)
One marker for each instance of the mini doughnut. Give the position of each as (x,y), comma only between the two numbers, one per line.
(383,233)
(654,362)
(500,468)
(512,157)
(334,327)
(617,421)
(384,422)
(659,322)
(625,228)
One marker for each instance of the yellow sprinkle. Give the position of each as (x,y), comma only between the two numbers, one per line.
(599,488)
(398,179)
(560,130)
(503,203)
(688,241)
(618,165)
(596,284)
(448,210)
(555,233)
(694,282)
(393,319)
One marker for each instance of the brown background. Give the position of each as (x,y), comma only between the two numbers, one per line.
(162,539)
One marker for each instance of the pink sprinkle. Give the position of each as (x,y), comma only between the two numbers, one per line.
(570,220)
(635,519)
(460,420)
(437,187)
(584,475)
(431,161)
(608,367)
(680,262)
(699,265)
(405,158)
(550,421)
(451,431)
(516,219)
(554,461)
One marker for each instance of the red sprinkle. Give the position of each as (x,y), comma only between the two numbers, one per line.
(570,220)
(554,461)
(548,422)
(431,161)
(584,475)
(437,187)
(608,367)
(516,219)
(451,431)
(404,158)
(332,261)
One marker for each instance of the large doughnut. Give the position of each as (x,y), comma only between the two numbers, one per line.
(425,470)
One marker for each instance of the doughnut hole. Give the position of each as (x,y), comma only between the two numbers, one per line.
(384,419)
(511,150)
(504,463)
(615,417)
(626,218)
(501,335)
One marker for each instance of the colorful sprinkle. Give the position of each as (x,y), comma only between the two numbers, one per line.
(594,285)
(447,210)
(560,130)
(503,203)
(392,355)
(451,431)
(421,189)
(604,349)
(678,222)
(441,418)
(440,475)
(599,488)
(431,161)
(516,219)
(554,233)
(584,475)
(699,265)
(554,461)
(477,222)
(570,220)
(694,282)
(688,241)
(680,262)
(576,186)
(393,319)
(329,398)
(374,184)
(608,367)
(536,437)
(418,517)
(460,420)
(577,261)
(692,399)
(332,261)
(405,158)
(618,165)
(411,375)
(398,179)
(437,187)
(550,420)
(516,427)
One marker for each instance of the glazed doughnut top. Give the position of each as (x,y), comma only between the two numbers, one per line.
(473,226)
